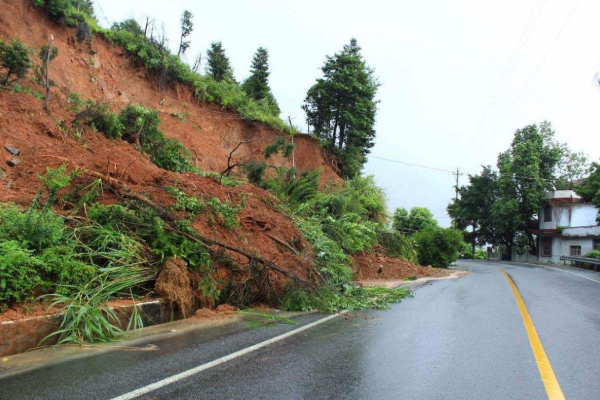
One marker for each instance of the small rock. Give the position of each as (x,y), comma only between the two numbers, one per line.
(13,162)
(12,150)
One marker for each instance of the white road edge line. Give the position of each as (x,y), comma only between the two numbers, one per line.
(185,374)
(569,272)
(558,269)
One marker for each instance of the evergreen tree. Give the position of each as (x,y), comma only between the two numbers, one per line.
(186,29)
(218,65)
(341,108)
(14,58)
(257,84)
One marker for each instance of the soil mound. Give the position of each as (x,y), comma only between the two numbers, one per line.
(377,266)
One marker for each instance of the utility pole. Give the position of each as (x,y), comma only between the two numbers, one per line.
(456,187)
(294,148)
(456,193)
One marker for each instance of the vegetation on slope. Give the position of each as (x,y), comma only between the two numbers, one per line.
(99,252)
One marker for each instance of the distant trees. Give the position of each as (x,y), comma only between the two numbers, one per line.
(218,65)
(502,207)
(418,219)
(257,84)
(187,26)
(14,59)
(341,108)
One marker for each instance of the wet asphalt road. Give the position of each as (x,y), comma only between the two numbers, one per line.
(456,339)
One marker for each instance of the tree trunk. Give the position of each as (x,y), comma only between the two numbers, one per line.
(334,132)
(342,136)
(47,68)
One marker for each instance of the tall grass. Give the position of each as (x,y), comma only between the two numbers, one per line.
(87,318)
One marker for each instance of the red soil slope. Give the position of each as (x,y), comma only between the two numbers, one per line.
(105,73)
(45,141)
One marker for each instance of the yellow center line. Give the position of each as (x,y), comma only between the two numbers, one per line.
(548,378)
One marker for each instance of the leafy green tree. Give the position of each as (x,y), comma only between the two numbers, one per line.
(129,25)
(218,65)
(589,188)
(187,25)
(438,247)
(14,58)
(418,219)
(526,171)
(341,108)
(474,207)
(257,84)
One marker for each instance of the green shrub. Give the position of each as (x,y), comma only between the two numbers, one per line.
(36,230)
(19,273)
(67,12)
(227,212)
(481,254)
(350,233)
(398,245)
(330,259)
(183,202)
(76,103)
(101,118)
(14,58)
(593,254)
(438,247)
(140,126)
(64,270)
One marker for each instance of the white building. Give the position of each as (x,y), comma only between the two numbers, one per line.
(568,226)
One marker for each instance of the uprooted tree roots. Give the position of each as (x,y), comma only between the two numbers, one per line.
(175,286)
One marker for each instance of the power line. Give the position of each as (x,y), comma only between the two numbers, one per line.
(530,79)
(455,172)
(514,57)
(414,165)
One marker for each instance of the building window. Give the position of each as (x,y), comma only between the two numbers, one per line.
(596,244)
(548,213)
(546,246)
(575,251)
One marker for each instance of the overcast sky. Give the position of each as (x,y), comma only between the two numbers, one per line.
(458,76)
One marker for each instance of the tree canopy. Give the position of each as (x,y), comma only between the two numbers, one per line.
(187,25)
(14,58)
(502,206)
(341,108)
(129,25)
(257,84)
(589,188)
(218,65)
(418,219)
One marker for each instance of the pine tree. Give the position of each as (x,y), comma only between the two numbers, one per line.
(257,84)
(186,28)
(218,65)
(341,108)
